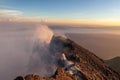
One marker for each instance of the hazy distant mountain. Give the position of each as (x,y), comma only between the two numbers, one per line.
(114,63)
(89,66)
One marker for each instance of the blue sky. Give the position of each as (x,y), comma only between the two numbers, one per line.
(65,9)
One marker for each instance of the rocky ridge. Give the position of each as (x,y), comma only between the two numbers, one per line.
(90,66)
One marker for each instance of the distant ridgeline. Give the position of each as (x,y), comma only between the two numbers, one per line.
(114,63)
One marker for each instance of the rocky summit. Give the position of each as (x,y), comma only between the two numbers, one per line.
(84,65)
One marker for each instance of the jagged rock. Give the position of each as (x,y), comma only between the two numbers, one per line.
(59,75)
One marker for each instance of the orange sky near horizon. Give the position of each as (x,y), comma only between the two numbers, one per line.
(67,22)
(91,23)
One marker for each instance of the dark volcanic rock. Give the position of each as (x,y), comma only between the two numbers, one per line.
(59,75)
(19,78)
(90,66)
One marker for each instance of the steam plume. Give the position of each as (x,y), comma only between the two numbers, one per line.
(43,34)
(41,61)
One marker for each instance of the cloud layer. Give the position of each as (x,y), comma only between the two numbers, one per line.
(12,15)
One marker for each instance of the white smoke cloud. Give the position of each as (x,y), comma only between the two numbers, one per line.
(43,34)
(25,49)
(41,61)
